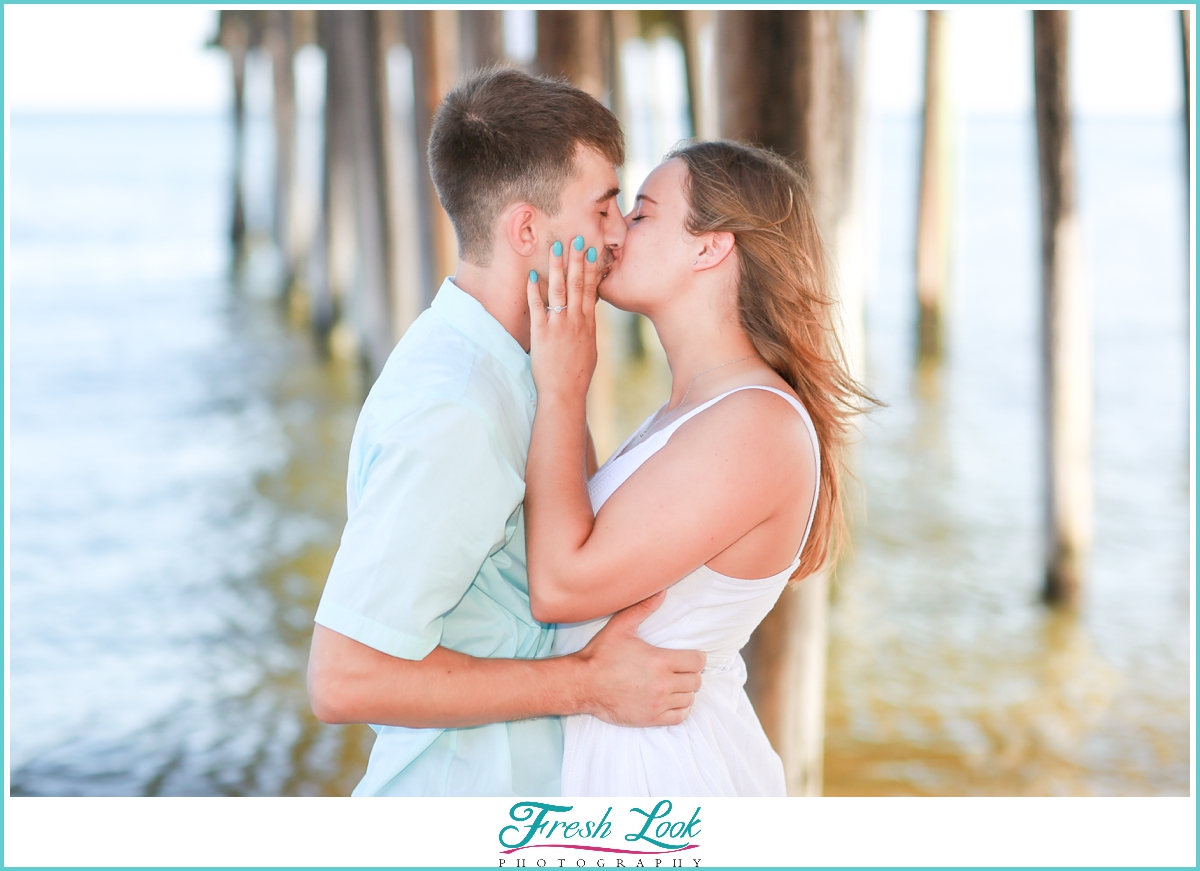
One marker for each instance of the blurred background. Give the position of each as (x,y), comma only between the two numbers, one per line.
(220,223)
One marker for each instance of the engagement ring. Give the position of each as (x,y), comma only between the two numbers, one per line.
(555,308)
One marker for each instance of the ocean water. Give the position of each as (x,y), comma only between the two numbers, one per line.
(178,452)
(947,675)
(178,479)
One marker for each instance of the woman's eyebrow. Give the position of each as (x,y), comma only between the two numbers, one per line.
(646,198)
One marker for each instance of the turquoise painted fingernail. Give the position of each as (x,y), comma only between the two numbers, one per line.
(533,275)
(557,249)
(578,243)
(591,255)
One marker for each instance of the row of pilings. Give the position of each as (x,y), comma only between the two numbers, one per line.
(790,80)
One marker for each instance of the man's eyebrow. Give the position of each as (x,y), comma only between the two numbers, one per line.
(608,195)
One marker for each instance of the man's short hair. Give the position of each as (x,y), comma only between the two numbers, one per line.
(503,136)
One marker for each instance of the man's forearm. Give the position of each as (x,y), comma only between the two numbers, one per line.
(349,682)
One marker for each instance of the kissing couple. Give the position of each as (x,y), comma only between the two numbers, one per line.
(512,619)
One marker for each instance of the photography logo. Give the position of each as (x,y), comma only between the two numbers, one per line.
(641,838)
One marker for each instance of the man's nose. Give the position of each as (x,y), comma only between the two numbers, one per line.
(614,230)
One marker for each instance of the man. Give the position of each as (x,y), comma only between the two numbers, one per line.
(424,627)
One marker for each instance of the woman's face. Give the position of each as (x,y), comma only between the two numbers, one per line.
(657,255)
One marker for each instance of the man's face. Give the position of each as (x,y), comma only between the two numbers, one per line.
(588,208)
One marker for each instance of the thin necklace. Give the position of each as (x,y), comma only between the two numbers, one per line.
(705,372)
(689,390)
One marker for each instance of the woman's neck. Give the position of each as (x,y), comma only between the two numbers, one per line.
(696,347)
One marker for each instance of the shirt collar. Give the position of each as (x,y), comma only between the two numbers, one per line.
(467,315)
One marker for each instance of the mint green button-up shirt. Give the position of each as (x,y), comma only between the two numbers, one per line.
(433,552)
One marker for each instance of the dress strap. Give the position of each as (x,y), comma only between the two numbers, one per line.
(633,436)
(630,456)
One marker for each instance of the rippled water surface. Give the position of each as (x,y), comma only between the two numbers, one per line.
(178,461)
(178,481)
(947,676)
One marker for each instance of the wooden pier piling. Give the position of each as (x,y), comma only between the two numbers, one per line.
(935,205)
(625,25)
(339,237)
(1066,333)
(481,38)
(698,48)
(1185,32)
(791,80)
(277,39)
(432,38)
(365,78)
(233,35)
(572,43)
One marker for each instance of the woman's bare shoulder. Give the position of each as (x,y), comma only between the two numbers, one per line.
(752,427)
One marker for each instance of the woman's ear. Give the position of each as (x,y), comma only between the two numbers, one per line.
(520,231)
(715,248)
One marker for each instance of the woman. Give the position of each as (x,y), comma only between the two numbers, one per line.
(725,493)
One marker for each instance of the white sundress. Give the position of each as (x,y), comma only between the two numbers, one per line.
(720,749)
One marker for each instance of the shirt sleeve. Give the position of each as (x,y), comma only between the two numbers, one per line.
(435,498)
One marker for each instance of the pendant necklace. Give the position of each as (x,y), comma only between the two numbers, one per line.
(683,399)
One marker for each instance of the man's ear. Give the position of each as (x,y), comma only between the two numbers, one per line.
(520,231)
(715,248)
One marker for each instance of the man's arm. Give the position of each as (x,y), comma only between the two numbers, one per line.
(617,677)
(435,502)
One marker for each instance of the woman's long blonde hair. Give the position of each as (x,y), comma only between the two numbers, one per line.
(783,298)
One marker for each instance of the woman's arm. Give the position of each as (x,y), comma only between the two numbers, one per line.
(563,357)
(723,473)
(592,463)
